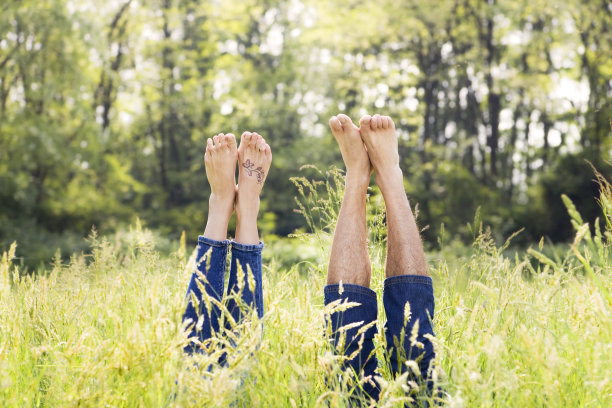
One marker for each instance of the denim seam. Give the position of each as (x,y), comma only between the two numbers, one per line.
(246,248)
(211,242)
(349,288)
(398,280)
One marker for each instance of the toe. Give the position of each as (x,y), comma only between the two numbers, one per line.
(345,120)
(375,121)
(365,121)
(231,140)
(256,139)
(209,146)
(379,122)
(216,138)
(261,144)
(385,122)
(390,122)
(268,150)
(335,124)
(245,138)
(222,140)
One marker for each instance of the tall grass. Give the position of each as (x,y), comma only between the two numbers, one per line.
(105,330)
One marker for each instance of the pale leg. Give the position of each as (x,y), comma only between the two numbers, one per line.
(220,160)
(203,322)
(254,159)
(254,162)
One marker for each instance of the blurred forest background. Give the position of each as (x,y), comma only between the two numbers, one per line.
(105,107)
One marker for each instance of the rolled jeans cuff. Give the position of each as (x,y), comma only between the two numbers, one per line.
(247,248)
(397,280)
(211,242)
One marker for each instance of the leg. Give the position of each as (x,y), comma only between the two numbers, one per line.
(202,312)
(245,277)
(220,160)
(407,280)
(350,236)
(202,309)
(348,274)
(405,255)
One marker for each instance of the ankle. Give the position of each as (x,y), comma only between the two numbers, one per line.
(356,182)
(247,211)
(220,209)
(218,201)
(390,181)
(246,229)
(216,226)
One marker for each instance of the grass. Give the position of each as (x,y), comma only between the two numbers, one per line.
(104,330)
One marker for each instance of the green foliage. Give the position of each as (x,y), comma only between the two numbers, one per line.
(105,107)
(543,213)
(105,329)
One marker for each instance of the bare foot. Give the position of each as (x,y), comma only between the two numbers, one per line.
(378,135)
(254,159)
(220,161)
(358,167)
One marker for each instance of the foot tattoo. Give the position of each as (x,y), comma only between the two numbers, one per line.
(249,166)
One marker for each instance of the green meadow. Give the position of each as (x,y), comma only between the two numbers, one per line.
(502,110)
(528,328)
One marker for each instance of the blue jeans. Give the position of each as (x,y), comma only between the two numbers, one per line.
(210,276)
(355,341)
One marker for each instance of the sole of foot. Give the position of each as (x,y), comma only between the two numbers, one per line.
(378,135)
(220,162)
(254,159)
(354,154)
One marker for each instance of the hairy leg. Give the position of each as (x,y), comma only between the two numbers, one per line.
(405,255)
(407,281)
(349,261)
(352,331)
